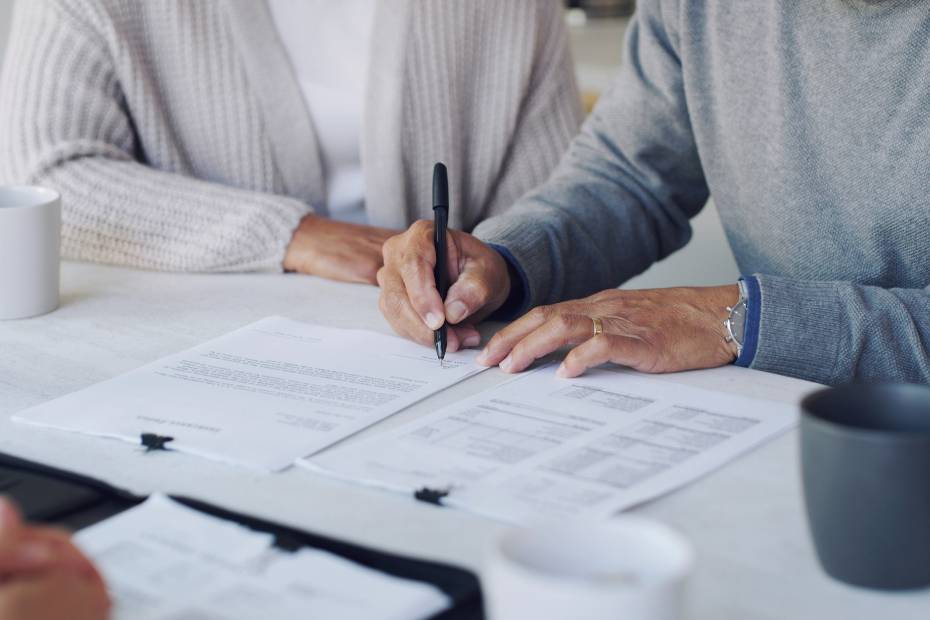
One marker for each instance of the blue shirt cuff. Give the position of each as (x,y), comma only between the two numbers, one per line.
(753,314)
(519,298)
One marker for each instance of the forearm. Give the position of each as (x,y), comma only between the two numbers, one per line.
(579,234)
(836,332)
(64,123)
(122,212)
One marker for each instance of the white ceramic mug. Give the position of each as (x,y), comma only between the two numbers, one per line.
(628,568)
(30,240)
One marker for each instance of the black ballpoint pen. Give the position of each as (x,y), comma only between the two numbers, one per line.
(440,223)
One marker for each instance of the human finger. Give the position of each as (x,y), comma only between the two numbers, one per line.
(58,595)
(27,549)
(396,308)
(61,545)
(503,342)
(10,522)
(467,335)
(558,331)
(413,257)
(468,295)
(41,550)
(481,284)
(603,348)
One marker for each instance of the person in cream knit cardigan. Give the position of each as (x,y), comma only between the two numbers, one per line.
(216,135)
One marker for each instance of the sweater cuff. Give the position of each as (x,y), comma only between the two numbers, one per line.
(518,299)
(751,326)
(799,328)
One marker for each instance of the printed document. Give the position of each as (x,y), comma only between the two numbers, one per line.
(544,446)
(163,560)
(263,395)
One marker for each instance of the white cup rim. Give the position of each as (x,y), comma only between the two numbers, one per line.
(44,196)
(682,559)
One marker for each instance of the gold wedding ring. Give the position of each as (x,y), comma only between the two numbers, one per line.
(598,326)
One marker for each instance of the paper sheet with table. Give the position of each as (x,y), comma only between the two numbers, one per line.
(541,445)
(263,395)
(164,561)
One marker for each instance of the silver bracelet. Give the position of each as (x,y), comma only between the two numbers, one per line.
(736,321)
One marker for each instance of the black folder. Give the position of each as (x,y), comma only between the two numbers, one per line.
(53,496)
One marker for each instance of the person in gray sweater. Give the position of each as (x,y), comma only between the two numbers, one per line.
(213,136)
(808,123)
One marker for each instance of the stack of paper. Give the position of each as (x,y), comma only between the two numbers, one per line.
(164,561)
(541,445)
(278,390)
(263,395)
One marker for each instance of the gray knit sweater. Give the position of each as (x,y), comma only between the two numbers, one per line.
(179,138)
(809,122)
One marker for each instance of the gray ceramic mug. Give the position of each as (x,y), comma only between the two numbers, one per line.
(865,464)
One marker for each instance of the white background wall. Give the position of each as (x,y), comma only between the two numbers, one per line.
(596,46)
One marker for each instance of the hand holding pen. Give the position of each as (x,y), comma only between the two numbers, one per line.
(478,283)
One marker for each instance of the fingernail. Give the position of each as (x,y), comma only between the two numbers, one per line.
(506,363)
(483,358)
(472,340)
(34,553)
(433,320)
(562,371)
(456,311)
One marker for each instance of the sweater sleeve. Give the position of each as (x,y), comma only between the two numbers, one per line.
(622,196)
(64,124)
(836,332)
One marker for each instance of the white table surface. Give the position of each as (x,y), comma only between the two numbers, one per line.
(755,558)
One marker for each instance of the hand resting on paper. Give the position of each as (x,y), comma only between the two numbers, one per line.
(657,330)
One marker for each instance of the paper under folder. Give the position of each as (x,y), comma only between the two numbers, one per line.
(58,497)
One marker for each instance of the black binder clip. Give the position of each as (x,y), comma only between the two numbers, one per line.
(431,496)
(151,441)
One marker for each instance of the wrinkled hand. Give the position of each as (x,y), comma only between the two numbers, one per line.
(479,279)
(336,250)
(43,576)
(657,330)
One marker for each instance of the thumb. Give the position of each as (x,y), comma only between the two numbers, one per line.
(10,522)
(470,293)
